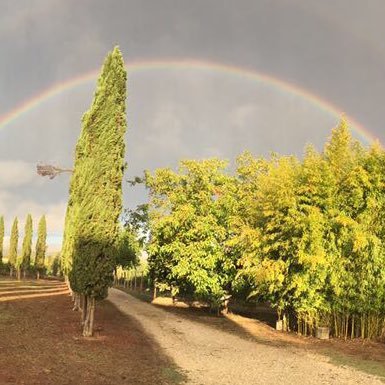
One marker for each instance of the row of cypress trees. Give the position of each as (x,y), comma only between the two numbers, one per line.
(92,229)
(307,235)
(23,262)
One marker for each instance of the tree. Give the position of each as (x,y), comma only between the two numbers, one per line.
(41,246)
(1,239)
(96,190)
(12,256)
(127,255)
(306,235)
(27,245)
(189,212)
(310,235)
(137,221)
(356,236)
(269,237)
(339,150)
(54,268)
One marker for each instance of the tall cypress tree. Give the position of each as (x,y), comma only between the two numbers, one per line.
(96,189)
(1,239)
(12,256)
(74,200)
(41,246)
(27,245)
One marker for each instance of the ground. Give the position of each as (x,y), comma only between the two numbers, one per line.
(41,343)
(141,343)
(236,350)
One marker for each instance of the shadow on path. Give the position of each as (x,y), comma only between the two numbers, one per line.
(368,357)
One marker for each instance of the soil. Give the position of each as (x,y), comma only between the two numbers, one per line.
(235,350)
(141,343)
(41,343)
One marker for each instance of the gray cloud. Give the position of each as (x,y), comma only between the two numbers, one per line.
(333,49)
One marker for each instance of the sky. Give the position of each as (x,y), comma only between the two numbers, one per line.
(286,56)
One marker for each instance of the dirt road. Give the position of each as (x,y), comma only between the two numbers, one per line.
(210,356)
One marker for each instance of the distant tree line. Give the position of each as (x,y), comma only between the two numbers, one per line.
(306,235)
(22,264)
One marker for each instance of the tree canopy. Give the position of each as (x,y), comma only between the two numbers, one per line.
(41,244)
(92,226)
(306,235)
(27,244)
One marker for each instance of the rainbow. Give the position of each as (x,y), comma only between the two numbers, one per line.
(146,65)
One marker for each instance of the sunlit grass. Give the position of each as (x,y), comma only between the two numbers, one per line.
(29,287)
(11,290)
(16,292)
(26,296)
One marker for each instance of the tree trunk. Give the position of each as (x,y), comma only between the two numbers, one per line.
(88,328)
(38,275)
(284,323)
(24,274)
(84,304)
(76,302)
(18,274)
(67,281)
(11,272)
(226,306)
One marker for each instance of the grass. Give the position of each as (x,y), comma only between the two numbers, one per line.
(375,368)
(174,375)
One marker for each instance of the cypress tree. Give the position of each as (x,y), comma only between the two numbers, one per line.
(1,239)
(12,256)
(75,197)
(96,189)
(72,209)
(41,246)
(27,245)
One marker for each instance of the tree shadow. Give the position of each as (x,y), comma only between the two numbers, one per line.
(258,328)
(151,362)
(41,343)
(265,318)
(225,324)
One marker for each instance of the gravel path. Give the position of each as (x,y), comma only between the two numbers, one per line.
(209,356)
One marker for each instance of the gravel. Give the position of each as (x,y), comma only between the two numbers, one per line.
(210,356)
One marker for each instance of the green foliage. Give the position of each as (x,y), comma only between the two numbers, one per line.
(311,234)
(92,227)
(189,212)
(4,268)
(27,244)
(12,256)
(137,221)
(128,251)
(41,244)
(306,235)
(53,267)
